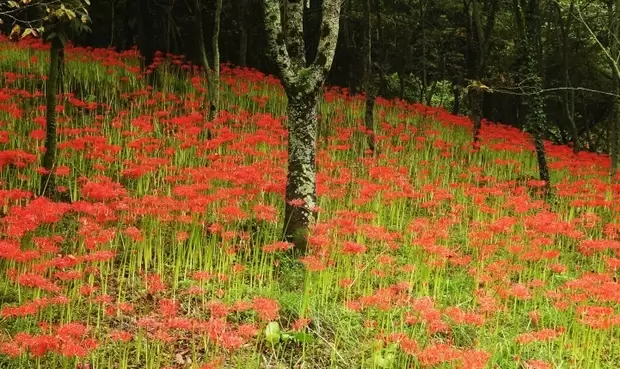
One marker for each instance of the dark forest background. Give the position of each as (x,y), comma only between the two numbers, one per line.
(426,51)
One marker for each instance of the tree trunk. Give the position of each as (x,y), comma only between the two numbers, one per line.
(478,45)
(383,50)
(368,79)
(147,33)
(614,134)
(401,85)
(474,94)
(535,120)
(569,96)
(530,61)
(48,180)
(303,84)
(301,179)
(456,106)
(243,33)
(215,42)
(213,77)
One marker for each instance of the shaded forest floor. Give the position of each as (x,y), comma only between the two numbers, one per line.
(428,255)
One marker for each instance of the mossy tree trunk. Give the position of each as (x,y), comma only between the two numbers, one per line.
(530,60)
(48,179)
(303,83)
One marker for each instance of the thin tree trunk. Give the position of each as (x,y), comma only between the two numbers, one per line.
(368,79)
(474,94)
(456,106)
(569,96)
(382,81)
(401,84)
(614,134)
(531,59)
(213,77)
(48,180)
(215,102)
(147,33)
(243,33)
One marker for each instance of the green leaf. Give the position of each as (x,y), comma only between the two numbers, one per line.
(63,38)
(272,333)
(13,4)
(50,36)
(303,337)
(27,31)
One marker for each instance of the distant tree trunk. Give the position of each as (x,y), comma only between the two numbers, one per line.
(569,96)
(614,134)
(456,106)
(530,54)
(303,84)
(147,32)
(424,78)
(48,179)
(383,49)
(479,37)
(369,89)
(213,77)
(243,33)
(401,84)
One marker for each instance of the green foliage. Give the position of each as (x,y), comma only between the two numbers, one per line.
(53,18)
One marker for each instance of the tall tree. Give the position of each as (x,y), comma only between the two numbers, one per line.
(303,83)
(55,20)
(478,41)
(565,22)
(614,129)
(242,17)
(213,77)
(611,53)
(369,87)
(146,34)
(529,56)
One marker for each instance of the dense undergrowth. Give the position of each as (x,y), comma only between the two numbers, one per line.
(428,255)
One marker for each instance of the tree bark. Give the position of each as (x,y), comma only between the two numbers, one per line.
(456,106)
(303,84)
(383,49)
(530,61)
(48,179)
(369,89)
(614,134)
(474,94)
(301,179)
(213,77)
(243,33)
(569,95)
(478,44)
(147,33)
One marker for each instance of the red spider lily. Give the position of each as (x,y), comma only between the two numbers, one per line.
(267,309)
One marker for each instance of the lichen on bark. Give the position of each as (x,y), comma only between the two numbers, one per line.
(303,84)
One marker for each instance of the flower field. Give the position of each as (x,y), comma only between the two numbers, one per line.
(169,254)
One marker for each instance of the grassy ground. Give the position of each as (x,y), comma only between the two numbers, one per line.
(428,255)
